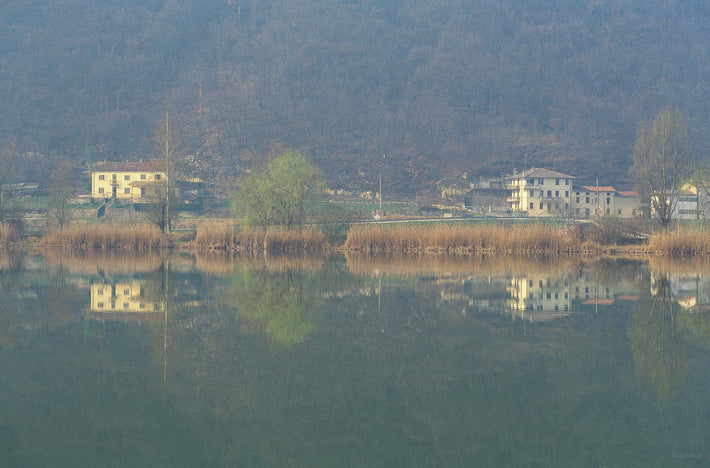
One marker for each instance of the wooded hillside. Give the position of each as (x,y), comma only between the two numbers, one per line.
(438,86)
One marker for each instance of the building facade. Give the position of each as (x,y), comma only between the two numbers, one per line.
(127,180)
(540,193)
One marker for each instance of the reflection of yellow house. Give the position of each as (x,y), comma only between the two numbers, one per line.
(540,298)
(126,180)
(124,301)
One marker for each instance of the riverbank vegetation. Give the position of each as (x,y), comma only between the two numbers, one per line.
(454,238)
(138,236)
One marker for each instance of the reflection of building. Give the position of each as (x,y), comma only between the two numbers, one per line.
(124,301)
(539,299)
(690,291)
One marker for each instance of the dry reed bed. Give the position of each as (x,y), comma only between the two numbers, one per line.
(212,236)
(458,239)
(680,242)
(141,237)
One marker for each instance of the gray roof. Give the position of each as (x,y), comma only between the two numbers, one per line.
(539,172)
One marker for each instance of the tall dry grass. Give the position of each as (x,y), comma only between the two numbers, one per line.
(460,239)
(5,235)
(215,236)
(680,242)
(113,235)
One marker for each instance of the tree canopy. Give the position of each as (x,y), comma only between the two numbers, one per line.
(281,194)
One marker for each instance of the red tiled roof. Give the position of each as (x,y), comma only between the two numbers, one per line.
(629,193)
(129,166)
(601,188)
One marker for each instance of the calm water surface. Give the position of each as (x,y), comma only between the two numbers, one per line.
(110,360)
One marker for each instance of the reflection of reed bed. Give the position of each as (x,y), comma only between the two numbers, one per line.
(224,264)
(457,239)
(5,234)
(680,242)
(447,265)
(216,236)
(111,262)
(113,235)
(683,266)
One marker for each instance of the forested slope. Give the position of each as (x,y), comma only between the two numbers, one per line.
(438,86)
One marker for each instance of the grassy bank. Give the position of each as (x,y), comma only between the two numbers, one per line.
(140,237)
(212,236)
(680,242)
(459,239)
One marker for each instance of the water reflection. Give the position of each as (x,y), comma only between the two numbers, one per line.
(282,362)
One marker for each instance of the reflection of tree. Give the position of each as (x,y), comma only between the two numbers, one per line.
(656,351)
(284,305)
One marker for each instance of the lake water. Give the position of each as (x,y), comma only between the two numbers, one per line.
(149,361)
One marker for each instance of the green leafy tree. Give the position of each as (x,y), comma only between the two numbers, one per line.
(281,194)
(662,160)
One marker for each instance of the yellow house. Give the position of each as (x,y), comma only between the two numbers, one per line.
(124,301)
(539,192)
(127,180)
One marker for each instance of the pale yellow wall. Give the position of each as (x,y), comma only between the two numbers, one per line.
(121,180)
(121,297)
(546,199)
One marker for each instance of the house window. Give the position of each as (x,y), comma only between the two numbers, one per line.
(101,190)
(549,194)
(126,292)
(142,176)
(126,177)
(125,305)
(100,292)
(531,205)
(126,190)
(619,212)
(566,206)
(577,199)
(577,211)
(557,193)
(157,176)
(566,181)
(608,201)
(542,205)
(100,305)
(566,193)
(608,211)
(586,200)
(540,181)
(141,306)
(531,181)
(557,181)
(102,177)
(113,176)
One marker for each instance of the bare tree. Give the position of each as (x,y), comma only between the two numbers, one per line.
(662,159)
(60,195)
(8,157)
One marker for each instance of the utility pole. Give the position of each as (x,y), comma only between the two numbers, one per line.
(167,171)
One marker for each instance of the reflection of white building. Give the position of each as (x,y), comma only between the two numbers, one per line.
(690,291)
(539,298)
(123,300)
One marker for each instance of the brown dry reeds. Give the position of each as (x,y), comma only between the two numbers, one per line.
(215,236)
(5,235)
(110,262)
(680,242)
(141,237)
(460,239)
